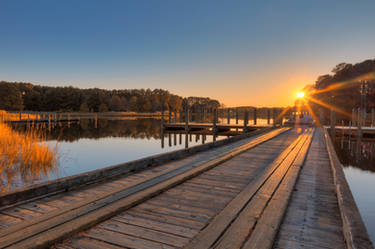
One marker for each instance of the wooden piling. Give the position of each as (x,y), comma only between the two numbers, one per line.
(236,115)
(342,125)
(359,123)
(162,119)
(187,119)
(274,117)
(169,116)
(228,116)
(214,123)
(175,116)
(333,123)
(255,116)
(245,120)
(268,116)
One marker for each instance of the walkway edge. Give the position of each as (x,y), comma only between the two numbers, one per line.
(355,232)
(36,191)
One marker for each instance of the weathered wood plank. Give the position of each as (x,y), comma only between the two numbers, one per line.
(193,224)
(144,233)
(156,225)
(124,240)
(88,243)
(265,231)
(213,231)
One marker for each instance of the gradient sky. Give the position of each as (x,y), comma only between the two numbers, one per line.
(241,52)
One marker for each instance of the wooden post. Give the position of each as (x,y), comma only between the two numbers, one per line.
(255,116)
(268,116)
(228,116)
(175,116)
(214,125)
(214,121)
(333,124)
(20,116)
(170,116)
(162,119)
(353,117)
(359,125)
(69,120)
(186,140)
(169,140)
(236,115)
(187,120)
(342,128)
(162,137)
(245,120)
(358,117)
(274,117)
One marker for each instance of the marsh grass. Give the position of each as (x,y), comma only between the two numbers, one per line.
(24,157)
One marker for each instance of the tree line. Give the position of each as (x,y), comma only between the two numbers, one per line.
(343,89)
(16,96)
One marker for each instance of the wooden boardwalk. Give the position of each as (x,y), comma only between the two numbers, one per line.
(266,191)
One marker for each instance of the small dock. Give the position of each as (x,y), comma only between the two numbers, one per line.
(205,126)
(269,188)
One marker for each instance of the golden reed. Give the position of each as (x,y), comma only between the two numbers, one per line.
(24,157)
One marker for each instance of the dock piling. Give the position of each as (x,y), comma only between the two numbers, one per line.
(255,116)
(333,123)
(245,120)
(186,119)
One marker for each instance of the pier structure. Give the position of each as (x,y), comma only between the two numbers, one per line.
(268,188)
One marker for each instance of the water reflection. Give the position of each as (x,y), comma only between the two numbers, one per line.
(358,158)
(96,129)
(93,144)
(356,152)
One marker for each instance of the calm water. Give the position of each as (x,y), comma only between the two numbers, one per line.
(358,158)
(89,145)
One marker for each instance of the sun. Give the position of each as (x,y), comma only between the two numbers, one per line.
(300,95)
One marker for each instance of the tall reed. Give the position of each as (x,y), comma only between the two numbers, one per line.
(24,157)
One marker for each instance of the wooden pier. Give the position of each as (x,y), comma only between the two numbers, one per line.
(271,188)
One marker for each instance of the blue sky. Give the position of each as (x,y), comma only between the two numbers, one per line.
(240,52)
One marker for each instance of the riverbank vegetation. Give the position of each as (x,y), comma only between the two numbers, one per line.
(24,157)
(26,96)
(342,90)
